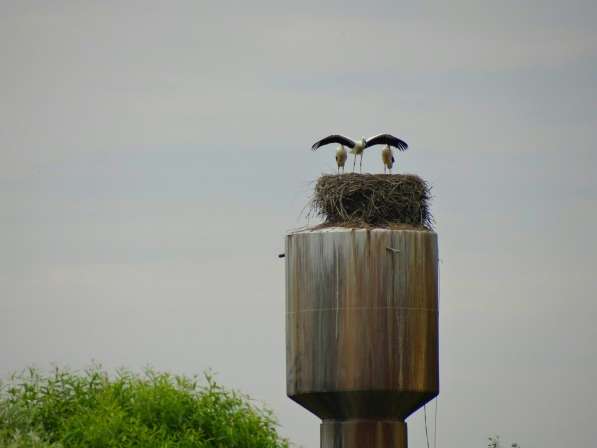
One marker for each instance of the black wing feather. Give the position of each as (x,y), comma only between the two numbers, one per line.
(333,139)
(387,139)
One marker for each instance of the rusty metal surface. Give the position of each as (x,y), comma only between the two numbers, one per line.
(363,434)
(362,322)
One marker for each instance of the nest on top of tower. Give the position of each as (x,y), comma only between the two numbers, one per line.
(372,200)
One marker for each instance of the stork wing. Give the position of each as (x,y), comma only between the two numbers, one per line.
(333,139)
(387,139)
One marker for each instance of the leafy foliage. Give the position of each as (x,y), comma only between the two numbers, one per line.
(92,410)
(494,442)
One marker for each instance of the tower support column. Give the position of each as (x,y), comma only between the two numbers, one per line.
(363,434)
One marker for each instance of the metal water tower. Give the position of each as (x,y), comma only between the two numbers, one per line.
(362,330)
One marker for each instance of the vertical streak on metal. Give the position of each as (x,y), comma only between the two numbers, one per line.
(337,296)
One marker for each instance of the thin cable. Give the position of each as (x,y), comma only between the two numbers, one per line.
(426,433)
(439,281)
(435,425)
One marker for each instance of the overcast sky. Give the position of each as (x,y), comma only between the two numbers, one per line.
(154,154)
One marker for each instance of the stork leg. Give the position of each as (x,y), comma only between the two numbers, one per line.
(361,164)
(354,162)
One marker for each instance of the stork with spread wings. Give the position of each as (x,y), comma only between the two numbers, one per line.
(357,148)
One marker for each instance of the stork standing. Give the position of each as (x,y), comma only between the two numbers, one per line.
(358,148)
(341,156)
(387,157)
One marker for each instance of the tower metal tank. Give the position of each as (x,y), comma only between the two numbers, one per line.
(362,330)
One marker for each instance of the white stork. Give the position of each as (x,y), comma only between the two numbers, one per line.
(387,157)
(357,148)
(341,156)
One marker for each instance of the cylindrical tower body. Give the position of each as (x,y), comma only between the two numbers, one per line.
(362,330)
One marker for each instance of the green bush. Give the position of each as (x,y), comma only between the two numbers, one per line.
(92,410)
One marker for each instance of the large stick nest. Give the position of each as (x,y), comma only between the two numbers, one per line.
(363,200)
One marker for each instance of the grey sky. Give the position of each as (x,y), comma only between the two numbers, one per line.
(153,154)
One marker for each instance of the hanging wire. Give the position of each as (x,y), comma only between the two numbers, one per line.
(439,280)
(435,425)
(426,433)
